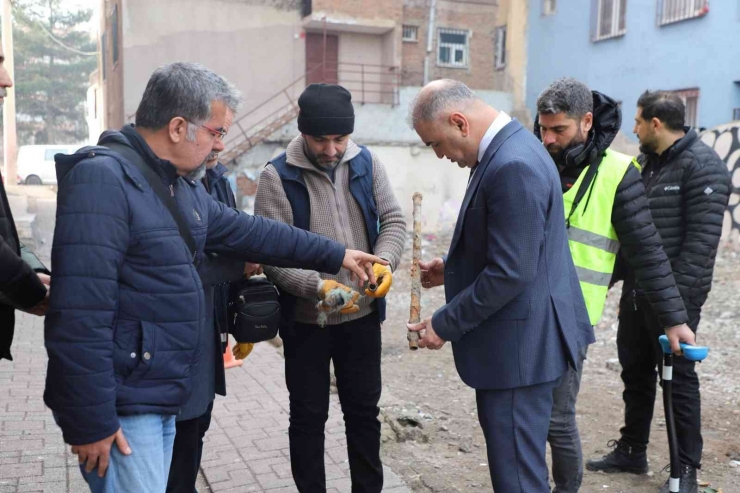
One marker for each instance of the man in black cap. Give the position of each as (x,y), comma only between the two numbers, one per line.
(329,185)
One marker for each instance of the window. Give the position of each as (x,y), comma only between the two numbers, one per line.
(670,11)
(690,98)
(114,29)
(306,8)
(499,61)
(548,7)
(736,114)
(104,54)
(49,153)
(453,48)
(609,19)
(410,33)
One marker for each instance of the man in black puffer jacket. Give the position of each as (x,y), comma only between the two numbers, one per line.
(606,211)
(688,189)
(24,280)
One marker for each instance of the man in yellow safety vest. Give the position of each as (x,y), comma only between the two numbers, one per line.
(605,209)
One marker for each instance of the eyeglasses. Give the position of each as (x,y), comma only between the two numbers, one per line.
(220,134)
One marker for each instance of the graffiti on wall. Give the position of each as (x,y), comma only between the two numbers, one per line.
(725,140)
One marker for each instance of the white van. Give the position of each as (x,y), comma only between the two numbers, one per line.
(36,163)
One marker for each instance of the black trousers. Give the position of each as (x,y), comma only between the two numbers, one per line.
(187,452)
(355,349)
(640,354)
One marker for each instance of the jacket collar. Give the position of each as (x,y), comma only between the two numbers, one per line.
(681,144)
(676,149)
(165,169)
(216,173)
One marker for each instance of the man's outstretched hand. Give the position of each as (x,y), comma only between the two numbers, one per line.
(360,264)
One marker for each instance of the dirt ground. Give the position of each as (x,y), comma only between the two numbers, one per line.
(431,432)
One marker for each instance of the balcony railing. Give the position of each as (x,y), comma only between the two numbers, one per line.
(368,83)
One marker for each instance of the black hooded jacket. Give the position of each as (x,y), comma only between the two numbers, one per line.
(20,286)
(640,242)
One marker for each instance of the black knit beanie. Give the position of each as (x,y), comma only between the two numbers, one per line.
(326,109)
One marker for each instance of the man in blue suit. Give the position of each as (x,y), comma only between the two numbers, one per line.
(514,308)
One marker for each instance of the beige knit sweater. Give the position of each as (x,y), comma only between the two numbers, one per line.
(335,214)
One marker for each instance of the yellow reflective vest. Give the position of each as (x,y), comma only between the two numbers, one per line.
(593,241)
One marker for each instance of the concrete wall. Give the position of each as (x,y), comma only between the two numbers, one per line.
(696,53)
(362,11)
(257,45)
(417,169)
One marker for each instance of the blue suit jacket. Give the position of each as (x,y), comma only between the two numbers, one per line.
(515,313)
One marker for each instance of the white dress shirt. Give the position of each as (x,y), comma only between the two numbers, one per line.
(498,124)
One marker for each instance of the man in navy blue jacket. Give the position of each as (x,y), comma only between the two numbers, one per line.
(124,327)
(514,307)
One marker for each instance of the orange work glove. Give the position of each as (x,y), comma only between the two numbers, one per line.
(383,278)
(241,351)
(331,304)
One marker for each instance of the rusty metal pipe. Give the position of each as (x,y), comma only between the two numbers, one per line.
(415,310)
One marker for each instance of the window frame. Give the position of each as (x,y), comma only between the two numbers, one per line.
(692,94)
(115,42)
(499,48)
(618,22)
(549,7)
(104,53)
(413,28)
(694,9)
(453,47)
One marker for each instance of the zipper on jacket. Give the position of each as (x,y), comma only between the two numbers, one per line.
(634,300)
(172,191)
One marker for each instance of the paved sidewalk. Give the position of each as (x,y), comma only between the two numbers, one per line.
(247,444)
(246,449)
(32,453)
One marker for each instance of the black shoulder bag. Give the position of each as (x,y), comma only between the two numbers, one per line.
(254,310)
